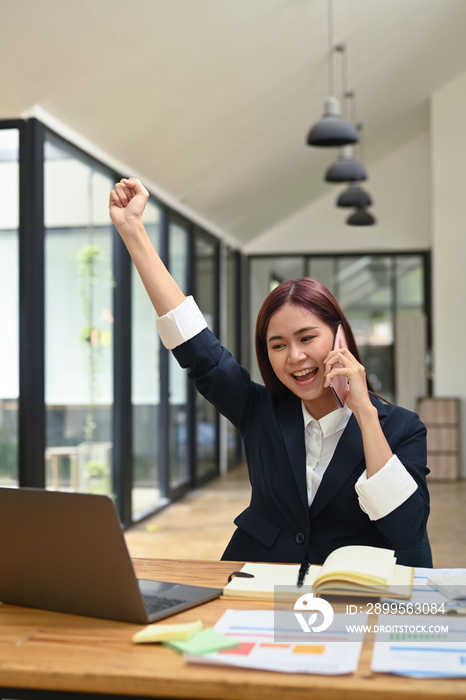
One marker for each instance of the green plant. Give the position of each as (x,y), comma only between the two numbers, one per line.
(88,258)
(8,455)
(97,477)
(97,470)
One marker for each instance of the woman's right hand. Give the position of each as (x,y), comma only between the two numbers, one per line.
(127,202)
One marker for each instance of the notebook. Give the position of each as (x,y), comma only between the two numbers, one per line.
(66,552)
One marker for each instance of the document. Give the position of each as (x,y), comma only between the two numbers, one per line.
(266,645)
(420,646)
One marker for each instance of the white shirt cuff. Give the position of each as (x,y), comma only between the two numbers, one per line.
(180,324)
(387,489)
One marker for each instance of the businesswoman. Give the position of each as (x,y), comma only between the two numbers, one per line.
(322,476)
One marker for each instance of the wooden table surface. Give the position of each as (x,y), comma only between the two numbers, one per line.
(48,651)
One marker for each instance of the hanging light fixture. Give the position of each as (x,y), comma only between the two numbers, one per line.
(346,168)
(332,129)
(361,217)
(357,197)
(354,196)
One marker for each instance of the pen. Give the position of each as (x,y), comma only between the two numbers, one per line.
(303,569)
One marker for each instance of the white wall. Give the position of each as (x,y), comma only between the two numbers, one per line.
(448,126)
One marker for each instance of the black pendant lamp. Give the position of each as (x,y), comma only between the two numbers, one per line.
(354,196)
(332,129)
(346,168)
(361,217)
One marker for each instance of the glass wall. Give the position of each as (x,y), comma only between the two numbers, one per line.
(206,416)
(100,405)
(232,342)
(385,300)
(9,305)
(413,357)
(179,425)
(78,322)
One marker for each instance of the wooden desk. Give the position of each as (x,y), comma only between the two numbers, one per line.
(45,652)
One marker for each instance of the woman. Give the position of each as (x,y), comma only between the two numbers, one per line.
(322,476)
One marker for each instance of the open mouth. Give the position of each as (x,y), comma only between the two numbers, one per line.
(303,375)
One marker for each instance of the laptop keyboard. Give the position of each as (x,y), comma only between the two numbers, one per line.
(156,603)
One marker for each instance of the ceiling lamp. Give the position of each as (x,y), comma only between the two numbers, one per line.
(354,196)
(332,129)
(346,169)
(361,217)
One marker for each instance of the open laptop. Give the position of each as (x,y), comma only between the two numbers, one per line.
(67,552)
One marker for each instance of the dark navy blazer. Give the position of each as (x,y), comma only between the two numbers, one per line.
(278,525)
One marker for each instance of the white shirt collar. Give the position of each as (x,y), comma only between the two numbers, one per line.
(332,422)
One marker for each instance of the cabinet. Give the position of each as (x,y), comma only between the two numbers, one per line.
(441,418)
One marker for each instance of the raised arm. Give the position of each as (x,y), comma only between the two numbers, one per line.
(127,203)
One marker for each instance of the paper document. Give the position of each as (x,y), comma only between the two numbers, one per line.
(264,646)
(420,646)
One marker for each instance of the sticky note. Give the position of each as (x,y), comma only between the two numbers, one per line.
(204,642)
(160,632)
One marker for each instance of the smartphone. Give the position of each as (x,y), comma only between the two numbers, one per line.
(339,385)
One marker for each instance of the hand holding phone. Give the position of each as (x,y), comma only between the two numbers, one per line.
(339,385)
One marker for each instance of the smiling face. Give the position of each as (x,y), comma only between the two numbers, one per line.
(297,344)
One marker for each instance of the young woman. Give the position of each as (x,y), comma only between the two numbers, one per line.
(322,476)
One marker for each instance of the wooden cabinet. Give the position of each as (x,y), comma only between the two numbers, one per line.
(441,418)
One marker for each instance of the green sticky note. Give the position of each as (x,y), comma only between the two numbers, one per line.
(204,642)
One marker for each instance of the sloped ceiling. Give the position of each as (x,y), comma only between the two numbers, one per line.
(210,101)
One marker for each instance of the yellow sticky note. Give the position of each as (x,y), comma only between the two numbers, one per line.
(159,632)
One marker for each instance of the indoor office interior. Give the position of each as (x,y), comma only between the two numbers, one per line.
(90,400)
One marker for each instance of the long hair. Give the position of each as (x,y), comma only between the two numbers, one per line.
(312,296)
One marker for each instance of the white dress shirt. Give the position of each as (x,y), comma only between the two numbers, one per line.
(321,438)
(378,495)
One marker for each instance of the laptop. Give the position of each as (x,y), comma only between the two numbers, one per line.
(66,552)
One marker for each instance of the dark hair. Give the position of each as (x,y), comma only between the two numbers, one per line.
(311,295)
